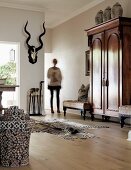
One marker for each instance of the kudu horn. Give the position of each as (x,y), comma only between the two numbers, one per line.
(32,50)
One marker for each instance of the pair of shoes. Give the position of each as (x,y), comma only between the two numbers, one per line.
(58,111)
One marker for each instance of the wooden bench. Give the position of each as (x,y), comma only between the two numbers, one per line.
(124,112)
(77,105)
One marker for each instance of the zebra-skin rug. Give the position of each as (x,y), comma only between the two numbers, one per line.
(65,128)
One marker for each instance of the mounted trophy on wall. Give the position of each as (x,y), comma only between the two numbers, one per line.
(32,50)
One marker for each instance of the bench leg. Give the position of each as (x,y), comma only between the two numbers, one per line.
(84,115)
(91,113)
(64,108)
(92,116)
(81,113)
(122,121)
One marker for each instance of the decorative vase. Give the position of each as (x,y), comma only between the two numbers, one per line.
(99,17)
(107,14)
(117,10)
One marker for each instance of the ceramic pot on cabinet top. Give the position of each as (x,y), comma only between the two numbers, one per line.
(107,14)
(117,10)
(99,17)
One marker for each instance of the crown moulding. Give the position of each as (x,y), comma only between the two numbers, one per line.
(21,6)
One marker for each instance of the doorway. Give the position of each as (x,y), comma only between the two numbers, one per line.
(9,69)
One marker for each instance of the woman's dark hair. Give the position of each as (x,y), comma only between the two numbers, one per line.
(55,61)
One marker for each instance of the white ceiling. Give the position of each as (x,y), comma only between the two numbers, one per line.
(56,11)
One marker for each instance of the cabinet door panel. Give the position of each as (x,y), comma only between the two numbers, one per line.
(126,88)
(97,51)
(112,71)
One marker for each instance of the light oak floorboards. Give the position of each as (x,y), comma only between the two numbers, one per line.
(109,150)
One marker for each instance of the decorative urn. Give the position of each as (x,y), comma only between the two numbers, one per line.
(117,10)
(107,14)
(99,17)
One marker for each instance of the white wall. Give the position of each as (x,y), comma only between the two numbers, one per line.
(48,41)
(69,43)
(12,22)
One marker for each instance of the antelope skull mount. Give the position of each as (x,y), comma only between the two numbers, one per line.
(32,50)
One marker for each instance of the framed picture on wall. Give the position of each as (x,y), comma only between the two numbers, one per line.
(87,62)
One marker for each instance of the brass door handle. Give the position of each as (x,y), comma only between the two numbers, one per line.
(105,82)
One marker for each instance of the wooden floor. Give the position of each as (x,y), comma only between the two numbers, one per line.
(109,150)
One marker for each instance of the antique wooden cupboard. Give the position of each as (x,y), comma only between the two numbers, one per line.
(110,59)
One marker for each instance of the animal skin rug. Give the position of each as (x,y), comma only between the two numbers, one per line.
(64,128)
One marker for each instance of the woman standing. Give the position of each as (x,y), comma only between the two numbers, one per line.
(55,78)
